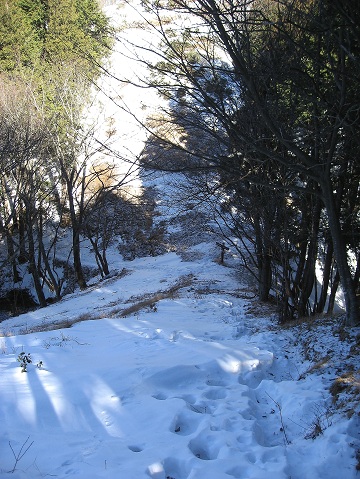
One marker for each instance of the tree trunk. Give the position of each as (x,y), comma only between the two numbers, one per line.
(23,257)
(265,275)
(11,255)
(77,258)
(334,288)
(32,262)
(263,258)
(100,257)
(340,253)
(56,285)
(326,278)
(75,238)
(357,276)
(308,276)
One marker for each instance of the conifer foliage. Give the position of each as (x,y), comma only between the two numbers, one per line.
(38,32)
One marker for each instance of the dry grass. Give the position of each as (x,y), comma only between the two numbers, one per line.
(321,364)
(142,302)
(148,301)
(348,383)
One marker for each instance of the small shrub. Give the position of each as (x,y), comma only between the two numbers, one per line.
(24,359)
(322,420)
(315,431)
(60,341)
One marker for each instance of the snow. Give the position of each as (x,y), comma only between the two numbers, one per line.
(168,370)
(191,386)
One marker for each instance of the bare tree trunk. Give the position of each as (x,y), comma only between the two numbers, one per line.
(77,259)
(308,276)
(23,256)
(328,262)
(357,276)
(32,261)
(265,275)
(75,233)
(99,256)
(12,256)
(334,288)
(341,257)
(55,285)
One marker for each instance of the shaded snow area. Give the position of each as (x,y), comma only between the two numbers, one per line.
(173,373)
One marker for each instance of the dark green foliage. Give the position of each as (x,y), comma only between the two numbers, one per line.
(35,33)
(37,15)
(19,44)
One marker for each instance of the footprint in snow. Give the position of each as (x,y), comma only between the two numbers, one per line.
(136,448)
(160,396)
(219,393)
(185,423)
(206,445)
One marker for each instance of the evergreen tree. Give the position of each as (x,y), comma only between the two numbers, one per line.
(19,45)
(36,33)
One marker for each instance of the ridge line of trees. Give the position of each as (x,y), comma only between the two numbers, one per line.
(265,96)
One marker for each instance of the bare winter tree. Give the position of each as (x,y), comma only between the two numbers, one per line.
(23,158)
(86,166)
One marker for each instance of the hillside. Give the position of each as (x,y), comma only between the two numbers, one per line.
(169,369)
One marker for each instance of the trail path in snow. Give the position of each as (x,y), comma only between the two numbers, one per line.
(188,388)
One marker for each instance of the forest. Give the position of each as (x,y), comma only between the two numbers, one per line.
(259,111)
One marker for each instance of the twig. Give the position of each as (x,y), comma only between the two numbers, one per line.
(21,453)
(278,405)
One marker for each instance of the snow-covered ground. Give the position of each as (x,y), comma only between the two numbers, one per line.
(172,373)
(169,370)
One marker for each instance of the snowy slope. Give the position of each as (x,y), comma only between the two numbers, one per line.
(193,385)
